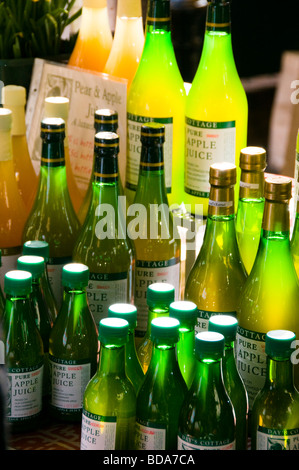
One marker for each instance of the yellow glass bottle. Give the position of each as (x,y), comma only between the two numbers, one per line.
(94,39)
(251,203)
(128,41)
(216,109)
(270,296)
(13,211)
(157,94)
(58,107)
(14,98)
(218,275)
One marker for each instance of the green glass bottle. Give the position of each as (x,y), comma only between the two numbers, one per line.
(105,120)
(218,275)
(52,217)
(270,296)
(186,313)
(2,300)
(216,109)
(157,94)
(24,355)
(207,418)
(275,412)
(251,203)
(109,406)
(295,233)
(42,315)
(163,391)
(133,367)
(151,226)
(227,326)
(41,248)
(159,296)
(73,346)
(103,244)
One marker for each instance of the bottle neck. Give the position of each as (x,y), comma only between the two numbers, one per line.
(74,303)
(18,121)
(6,146)
(208,373)
(279,374)
(251,185)
(17,310)
(276,219)
(221,202)
(129,8)
(155,313)
(111,360)
(163,362)
(158,16)
(53,153)
(218,18)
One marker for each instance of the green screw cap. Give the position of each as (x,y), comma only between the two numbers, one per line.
(114,331)
(126,311)
(18,282)
(279,343)
(75,275)
(184,311)
(209,345)
(165,329)
(160,294)
(224,324)
(37,248)
(33,264)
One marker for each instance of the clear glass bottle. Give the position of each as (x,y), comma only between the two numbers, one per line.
(53,218)
(14,98)
(150,224)
(133,367)
(13,213)
(207,418)
(24,355)
(159,296)
(163,391)
(251,203)
(157,93)
(275,412)
(103,244)
(186,313)
(217,277)
(73,346)
(216,109)
(270,296)
(128,41)
(227,326)
(109,406)
(94,40)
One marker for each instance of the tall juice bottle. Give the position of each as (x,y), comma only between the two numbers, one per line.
(217,277)
(94,39)
(103,244)
(53,218)
(128,41)
(270,296)
(216,109)
(151,226)
(104,120)
(13,212)
(2,300)
(251,203)
(14,98)
(157,94)
(58,107)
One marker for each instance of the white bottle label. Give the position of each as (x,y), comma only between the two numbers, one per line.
(148,437)
(251,360)
(134,148)
(97,432)
(274,439)
(148,272)
(105,289)
(187,443)
(203,316)
(68,382)
(54,269)
(206,143)
(24,392)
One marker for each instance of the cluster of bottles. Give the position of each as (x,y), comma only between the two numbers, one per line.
(72,261)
